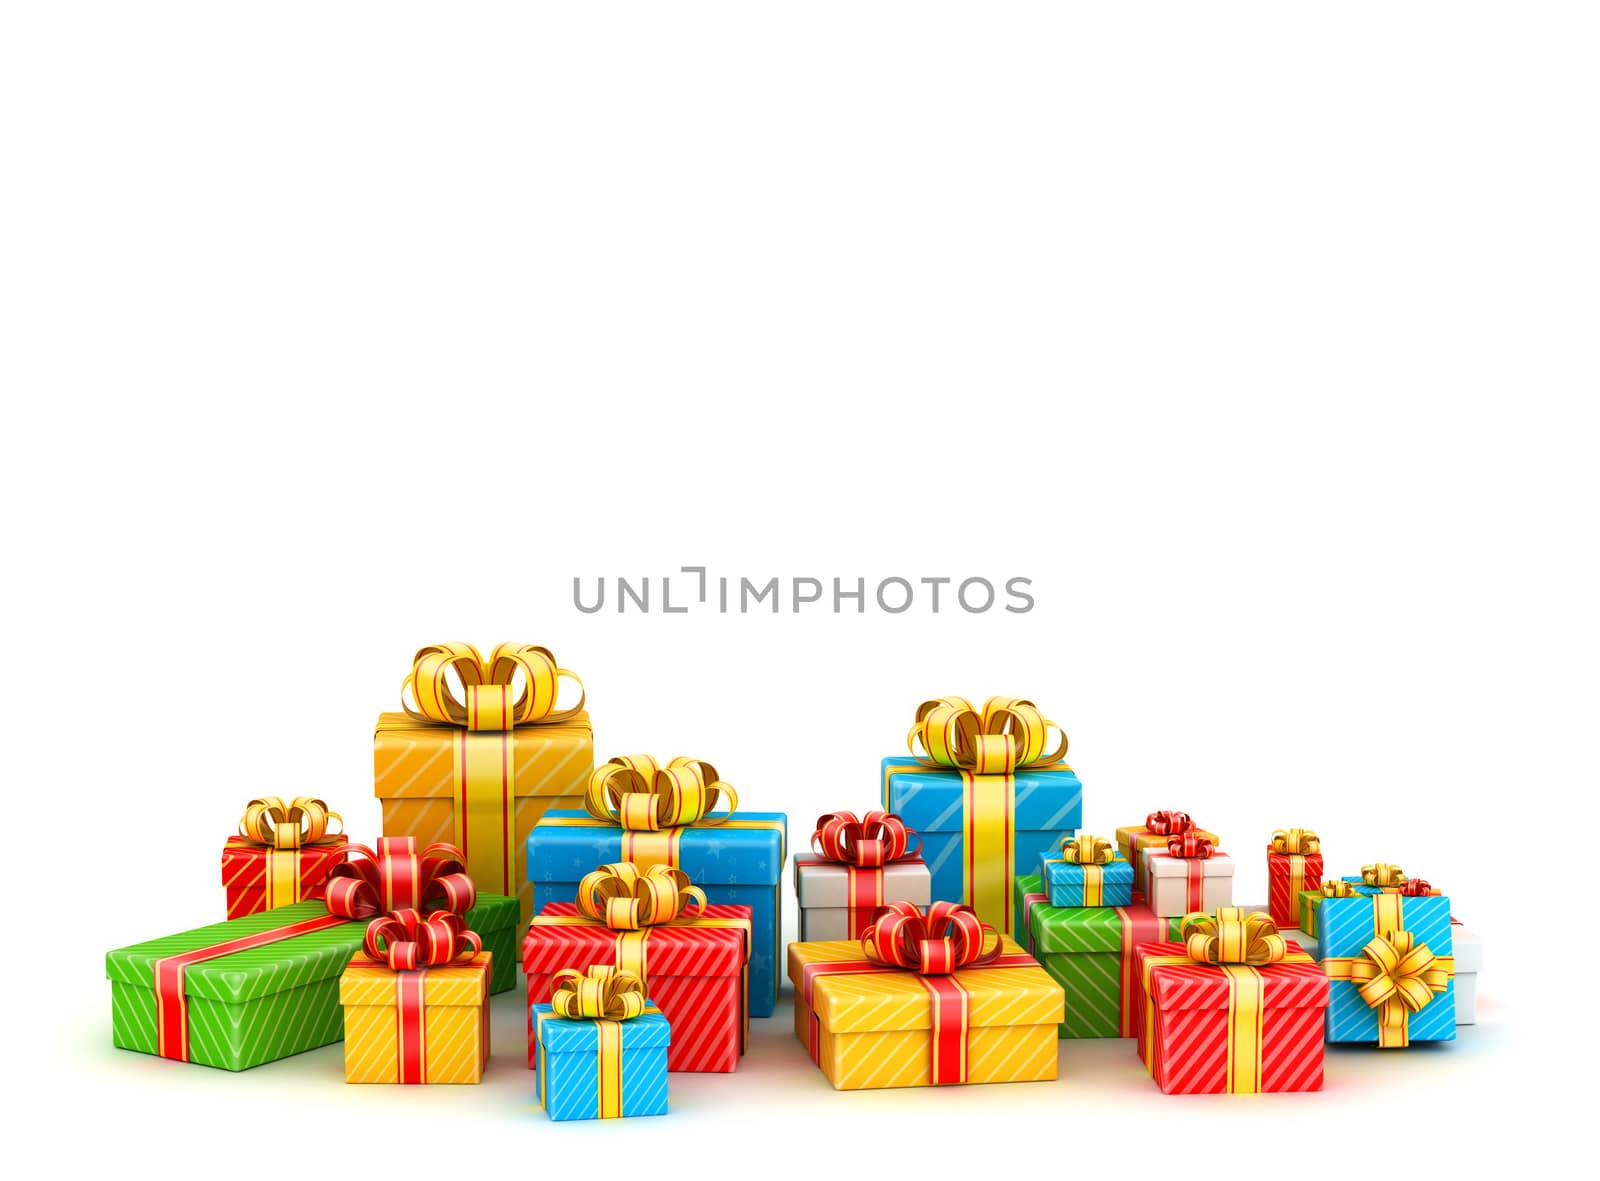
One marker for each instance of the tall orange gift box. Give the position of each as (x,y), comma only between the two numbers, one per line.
(479,754)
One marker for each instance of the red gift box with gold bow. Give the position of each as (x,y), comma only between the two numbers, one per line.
(656,925)
(282,854)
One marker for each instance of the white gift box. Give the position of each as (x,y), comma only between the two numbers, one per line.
(823,888)
(1168,883)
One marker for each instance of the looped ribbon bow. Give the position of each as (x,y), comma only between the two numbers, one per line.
(1416,888)
(1383,874)
(1190,844)
(1232,937)
(492,697)
(406,941)
(600,992)
(1087,850)
(641,795)
(868,842)
(1398,975)
(302,821)
(1295,840)
(1165,823)
(626,898)
(395,877)
(948,937)
(1009,734)
(1338,889)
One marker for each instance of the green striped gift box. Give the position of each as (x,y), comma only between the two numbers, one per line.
(1085,951)
(272,1001)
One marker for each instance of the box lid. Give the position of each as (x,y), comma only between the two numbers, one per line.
(1346,925)
(892,999)
(566,1035)
(1203,986)
(930,800)
(533,744)
(679,948)
(746,850)
(826,884)
(244,863)
(1069,930)
(261,971)
(1165,865)
(371,982)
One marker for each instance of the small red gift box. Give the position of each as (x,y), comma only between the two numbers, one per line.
(1294,863)
(282,855)
(694,964)
(1250,1023)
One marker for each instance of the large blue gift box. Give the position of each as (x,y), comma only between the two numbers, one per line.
(1345,926)
(571,1074)
(738,863)
(979,831)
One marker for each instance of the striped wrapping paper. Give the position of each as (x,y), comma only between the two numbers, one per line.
(1283,892)
(1064,881)
(244,873)
(874,1029)
(1345,926)
(454,1042)
(568,1064)
(1089,952)
(1135,840)
(416,776)
(1191,1014)
(268,1002)
(696,976)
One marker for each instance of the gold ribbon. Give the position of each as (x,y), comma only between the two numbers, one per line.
(627,898)
(1338,889)
(283,829)
(607,997)
(1395,973)
(1296,840)
(517,686)
(1087,850)
(987,748)
(641,795)
(1383,875)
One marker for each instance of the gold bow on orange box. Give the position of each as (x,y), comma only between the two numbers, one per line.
(1397,975)
(1383,875)
(626,898)
(641,795)
(987,747)
(600,993)
(1295,840)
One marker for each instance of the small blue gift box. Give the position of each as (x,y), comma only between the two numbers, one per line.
(1065,882)
(578,1078)
(1345,928)
(979,832)
(738,863)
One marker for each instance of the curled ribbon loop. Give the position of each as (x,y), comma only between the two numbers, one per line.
(1232,937)
(1397,976)
(406,941)
(302,821)
(1164,823)
(1383,874)
(1010,733)
(1338,889)
(870,842)
(602,992)
(1416,888)
(1087,850)
(626,898)
(396,877)
(1295,840)
(1190,844)
(642,796)
(948,937)
(493,694)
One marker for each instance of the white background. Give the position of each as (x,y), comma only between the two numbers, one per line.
(1260,336)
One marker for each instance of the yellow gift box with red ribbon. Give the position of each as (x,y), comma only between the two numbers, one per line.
(481,751)
(925,1000)
(989,793)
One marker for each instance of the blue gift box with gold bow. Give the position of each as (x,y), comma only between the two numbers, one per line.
(600,1047)
(653,814)
(1086,871)
(989,794)
(1391,960)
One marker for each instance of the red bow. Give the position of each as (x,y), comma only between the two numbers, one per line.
(398,878)
(1415,888)
(407,941)
(1166,823)
(868,843)
(948,937)
(1190,844)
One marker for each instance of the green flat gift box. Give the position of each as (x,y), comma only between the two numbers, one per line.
(1088,950)
(271,1001)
